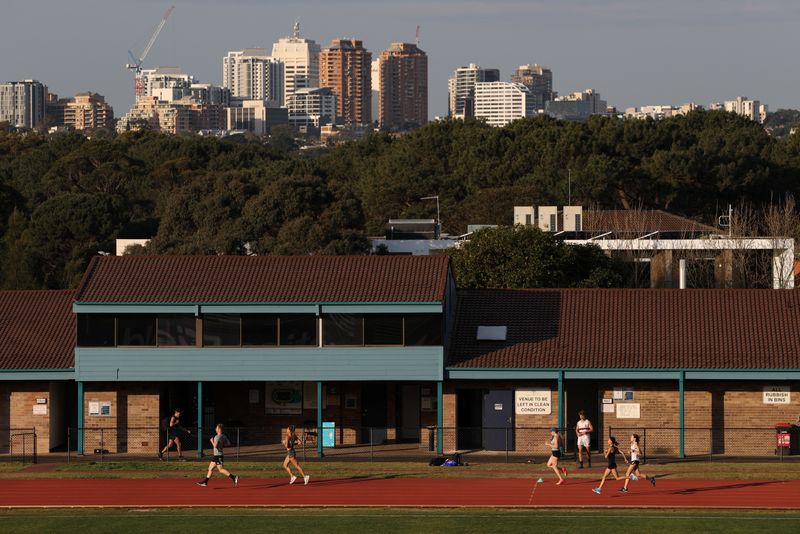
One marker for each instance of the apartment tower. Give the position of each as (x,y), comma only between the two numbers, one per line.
(300,58)
(345,67)
(403,95)
(538,79)
(461,88)
(251,74)
(22,104)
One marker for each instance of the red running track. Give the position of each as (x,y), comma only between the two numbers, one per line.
(443,492)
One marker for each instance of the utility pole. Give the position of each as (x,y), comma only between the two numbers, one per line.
(435,197)
(569,186)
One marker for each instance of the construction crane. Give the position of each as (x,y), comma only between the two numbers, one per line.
(136,63)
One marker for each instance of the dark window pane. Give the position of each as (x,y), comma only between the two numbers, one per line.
(423,329)
(221,330)
(342,329)
(136,330)
(298,329)
(176,330)
(383,329)
(259,330)
(95,330)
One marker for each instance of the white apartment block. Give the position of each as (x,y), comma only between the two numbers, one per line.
(752,109)
(660,111)
(251,74)
(461,88)
(22,104)
(166,83)
(499,103)
(300,58)
(311,107)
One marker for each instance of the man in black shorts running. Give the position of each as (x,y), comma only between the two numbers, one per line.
(174,430)
(219,442)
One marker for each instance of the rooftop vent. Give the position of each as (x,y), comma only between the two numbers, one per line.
(491,333)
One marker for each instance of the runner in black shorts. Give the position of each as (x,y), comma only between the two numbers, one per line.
(174,429)
(611,468)
(633,472)
(290,442)
(219,442)
(555,445)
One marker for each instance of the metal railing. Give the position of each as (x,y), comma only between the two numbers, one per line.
(18,444)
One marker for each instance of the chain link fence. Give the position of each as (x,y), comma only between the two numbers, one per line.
(18,445)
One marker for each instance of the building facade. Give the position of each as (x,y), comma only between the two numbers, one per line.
(752,109)
(499,103)
(254,116)
(311,108)
(174,117)
(300,59)
(577,106)
(23,103)
(461,88)
(167,83)
(251,74)
(538,80)
(403,87)
(346,68)
(85,112)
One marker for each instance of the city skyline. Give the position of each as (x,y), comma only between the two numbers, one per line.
(695,52)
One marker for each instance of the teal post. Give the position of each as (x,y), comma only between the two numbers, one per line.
(560,400)
(681,438)
(199,420)
(320,453)
(80,418)
(439,419)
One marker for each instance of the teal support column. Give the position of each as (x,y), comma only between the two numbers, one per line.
(199,419)
(561,403)
(79,430)
(320,452)
(439,419)
(681,414)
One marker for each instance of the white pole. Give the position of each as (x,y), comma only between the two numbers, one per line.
(682,276)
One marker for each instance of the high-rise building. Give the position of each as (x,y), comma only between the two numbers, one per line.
(346,67)
(300,58)
(403,97)
(255,116)
(311,107)
(461,88)
(251,74)
(375,80)
(499,103)
(22,104)
(577,106)
(166,83)
(178,116)
(538,79)
(752,109)
(85,112)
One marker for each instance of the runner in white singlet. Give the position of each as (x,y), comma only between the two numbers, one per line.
(583,431)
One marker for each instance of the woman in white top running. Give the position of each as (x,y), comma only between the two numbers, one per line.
(633,469)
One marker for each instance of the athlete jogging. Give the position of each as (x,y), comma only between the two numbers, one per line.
(218,442)
(611,468)
(556,444)
(583,431)
(633,472)
(289,442)
(174,429)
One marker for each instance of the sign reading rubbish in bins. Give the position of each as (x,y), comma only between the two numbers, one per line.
(777,395)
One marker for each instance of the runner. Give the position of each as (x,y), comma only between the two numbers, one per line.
(633,472)
(611,468)
(556,444)
(174,429)
(218,443)
(583,430)
(290,441)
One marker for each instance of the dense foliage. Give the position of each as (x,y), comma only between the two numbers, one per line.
(63,197)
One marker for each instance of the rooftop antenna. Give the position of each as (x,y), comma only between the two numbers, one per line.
(296,28)
(726,221)
(416,40)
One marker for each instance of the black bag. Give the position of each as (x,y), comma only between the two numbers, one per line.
(437,461)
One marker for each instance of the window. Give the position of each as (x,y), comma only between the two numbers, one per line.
(342,329)
(95,330)
(176,330)
(259,330)
(221,330)
(136,330)
(423,329)
(300,329)
(383,329)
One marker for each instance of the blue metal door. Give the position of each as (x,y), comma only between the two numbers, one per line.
(498,420)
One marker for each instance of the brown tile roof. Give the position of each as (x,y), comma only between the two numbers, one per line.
(642,222)
(629,328)
(37,329)
(309,279)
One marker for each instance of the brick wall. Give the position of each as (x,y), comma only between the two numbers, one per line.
(133,423)
(21,398)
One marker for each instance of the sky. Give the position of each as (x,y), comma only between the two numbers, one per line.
(632,52)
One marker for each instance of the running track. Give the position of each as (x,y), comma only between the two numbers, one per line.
(443,492)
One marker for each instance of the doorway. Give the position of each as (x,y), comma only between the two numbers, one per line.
(469,418)
(582,395)
(373,412)
(409,413)
(498,420)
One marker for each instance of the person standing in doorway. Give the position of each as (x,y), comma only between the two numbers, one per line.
(556,443)
(218,442)
(583,430)
(290,441)
(174,430)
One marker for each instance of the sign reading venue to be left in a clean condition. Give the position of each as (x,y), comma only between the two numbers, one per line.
(532,402)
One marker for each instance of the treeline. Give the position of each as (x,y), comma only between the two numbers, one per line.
(64,198)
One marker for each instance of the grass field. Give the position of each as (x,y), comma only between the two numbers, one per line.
(89,521)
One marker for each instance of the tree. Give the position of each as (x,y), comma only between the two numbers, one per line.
(526,257)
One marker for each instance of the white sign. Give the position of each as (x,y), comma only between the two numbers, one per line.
(627,411)
(39,409)
(498,407)
(532,402)
(777,395)
(623,394)
(102,408)
(608,408)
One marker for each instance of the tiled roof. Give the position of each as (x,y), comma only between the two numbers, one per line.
(235,279)
(37,329)
(642,222)
(629,328)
